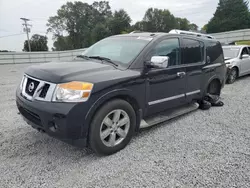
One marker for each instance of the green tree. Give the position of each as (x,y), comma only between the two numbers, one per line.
(99,32)
(84,24)
(37,43)
(193,27)
(62,43)
(229,15)
(204,28)
(182,23)
(77,20)
(158,20)
(138,26)
(119,22)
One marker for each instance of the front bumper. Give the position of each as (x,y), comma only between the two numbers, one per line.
(64,121)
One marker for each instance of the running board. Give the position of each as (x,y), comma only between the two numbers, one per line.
(167,115)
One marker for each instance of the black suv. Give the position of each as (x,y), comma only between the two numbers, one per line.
(119,85)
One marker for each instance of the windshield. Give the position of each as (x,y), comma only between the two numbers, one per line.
(231,52)
(122,50)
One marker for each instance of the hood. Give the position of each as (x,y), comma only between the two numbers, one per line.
(68,71)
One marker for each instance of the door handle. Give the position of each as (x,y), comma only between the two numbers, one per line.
(181,74)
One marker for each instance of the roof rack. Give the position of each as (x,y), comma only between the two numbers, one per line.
(191,33)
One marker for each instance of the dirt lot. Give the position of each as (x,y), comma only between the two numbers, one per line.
(201,149)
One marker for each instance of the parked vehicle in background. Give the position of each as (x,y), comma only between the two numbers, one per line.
(237,58)
(121,84)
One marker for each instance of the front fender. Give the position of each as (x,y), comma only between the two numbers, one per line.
(104,98)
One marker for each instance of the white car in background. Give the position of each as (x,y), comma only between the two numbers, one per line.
(237,59)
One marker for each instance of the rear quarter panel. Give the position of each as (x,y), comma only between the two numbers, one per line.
(215,66)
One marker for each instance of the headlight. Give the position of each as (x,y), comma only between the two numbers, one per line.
(73,92)
(230,64)
(21,84)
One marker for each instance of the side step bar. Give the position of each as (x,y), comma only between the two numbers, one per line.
(167,115)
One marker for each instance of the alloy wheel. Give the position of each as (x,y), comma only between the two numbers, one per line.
(114,128)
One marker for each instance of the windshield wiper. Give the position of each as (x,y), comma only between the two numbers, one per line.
(83,56)
(104,59)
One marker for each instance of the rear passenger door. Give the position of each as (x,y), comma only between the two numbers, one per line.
(193,59)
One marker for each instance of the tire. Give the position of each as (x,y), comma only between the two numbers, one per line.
(108,144)
(232,76)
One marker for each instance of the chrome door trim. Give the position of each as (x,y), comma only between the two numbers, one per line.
(193,92)
(173,97)
(166,99)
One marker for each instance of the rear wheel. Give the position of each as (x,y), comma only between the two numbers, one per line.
(112,127)
(232,76)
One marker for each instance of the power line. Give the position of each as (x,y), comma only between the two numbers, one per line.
(12,35)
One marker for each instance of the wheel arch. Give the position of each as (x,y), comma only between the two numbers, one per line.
(238,70)
(211,80)
(123,94)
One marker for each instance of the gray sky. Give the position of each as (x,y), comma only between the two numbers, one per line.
(198,12)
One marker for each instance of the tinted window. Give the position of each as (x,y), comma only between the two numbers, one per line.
(170,48)
(244,51)
(214,52)
(193,51)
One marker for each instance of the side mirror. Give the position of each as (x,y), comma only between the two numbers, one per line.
(159,61)
(245,56)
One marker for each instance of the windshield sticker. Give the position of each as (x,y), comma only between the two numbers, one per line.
(145,38)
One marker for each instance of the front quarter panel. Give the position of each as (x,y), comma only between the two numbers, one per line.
(133,89)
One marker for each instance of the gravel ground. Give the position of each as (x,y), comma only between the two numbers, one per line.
(201,149)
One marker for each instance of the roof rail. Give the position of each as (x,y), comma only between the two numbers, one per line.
(191,33)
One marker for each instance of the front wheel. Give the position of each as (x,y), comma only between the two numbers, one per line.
(112,127)
(232,76)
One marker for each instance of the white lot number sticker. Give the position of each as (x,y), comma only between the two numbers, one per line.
(145,38)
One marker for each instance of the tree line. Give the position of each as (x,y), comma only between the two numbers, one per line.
(86,24)
(79,25)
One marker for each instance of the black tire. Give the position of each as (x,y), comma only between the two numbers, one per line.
(95,140)
(232,76)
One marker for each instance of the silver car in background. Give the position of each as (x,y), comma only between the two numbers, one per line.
(237,59)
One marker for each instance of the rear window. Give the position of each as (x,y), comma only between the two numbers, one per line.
(215,52)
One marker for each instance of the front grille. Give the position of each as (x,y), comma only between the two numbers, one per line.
(35,89)
(31,116)
(44,91)
(31,86)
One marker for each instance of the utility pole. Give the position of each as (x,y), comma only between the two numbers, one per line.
(27,30)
